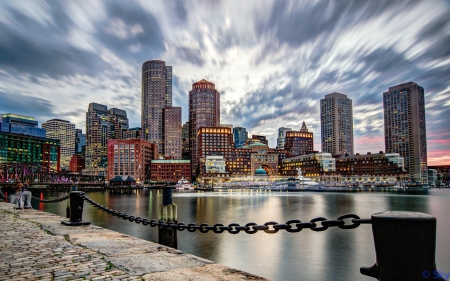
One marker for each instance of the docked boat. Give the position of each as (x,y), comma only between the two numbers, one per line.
(184,184)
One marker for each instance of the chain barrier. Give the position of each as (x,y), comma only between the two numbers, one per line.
(51,200)
(235,228)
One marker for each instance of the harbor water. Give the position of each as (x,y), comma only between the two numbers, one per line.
(335,254)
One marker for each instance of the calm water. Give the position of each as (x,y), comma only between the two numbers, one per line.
(334,254)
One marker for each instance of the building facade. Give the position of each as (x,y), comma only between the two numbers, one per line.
(20,124)
(320,166)
(204,111)
(20,148)
(299,142)
(404,127)
(282,137)
(172,132)
(336,119)
(131,157)
(240,135)
(132,133)
(156,94)
(97,135)
(185,141)
(169,170)
(80,142)
(63,131)
(261,139)
(77,163)
(118,123)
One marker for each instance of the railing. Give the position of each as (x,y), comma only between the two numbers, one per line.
(405,242)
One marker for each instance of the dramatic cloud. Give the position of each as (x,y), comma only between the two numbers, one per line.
(272,61)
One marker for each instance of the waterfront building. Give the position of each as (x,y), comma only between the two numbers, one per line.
(20,124)
(172,132)
(63,131)
(404,127)
(132,133)
(97,135)
(240,136)
(299,142)
(262,157)
(320,166)
(336,119)
(131,157)
(156,94)
(20,148)
(259,138)
(204,111)
(185,141)
(282,137)
(170,170)
(371,167)
(118,123)
(77,163)
(213,169)
(80,142)
(443,174)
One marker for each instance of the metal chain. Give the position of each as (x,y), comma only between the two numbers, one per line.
(3,195)
(52,200)
(234,228)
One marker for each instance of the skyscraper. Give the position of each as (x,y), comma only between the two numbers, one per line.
(97,134)
(63,131)
(299,142)
(80,142)
(336,119)
(404,127)
(172,132)
(156,94)
(282,137)
(20,124)
(204,111)
(240,136)
(119,123)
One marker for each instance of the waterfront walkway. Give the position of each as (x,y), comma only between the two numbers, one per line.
(34,245)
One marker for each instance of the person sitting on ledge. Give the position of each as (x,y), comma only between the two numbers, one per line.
(25,196)
(16,195)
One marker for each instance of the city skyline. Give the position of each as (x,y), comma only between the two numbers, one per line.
(272,63)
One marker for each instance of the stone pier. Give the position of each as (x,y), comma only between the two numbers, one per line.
(34,245)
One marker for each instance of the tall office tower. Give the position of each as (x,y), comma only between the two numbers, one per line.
(404,127)
(282,137)
(299,142)
(63,131)
(240,135)
(185,142)
(156,94)
(204,111)
(336,112)
(172,132)
(80,142)
(119,123)
(97,134)
(20,124)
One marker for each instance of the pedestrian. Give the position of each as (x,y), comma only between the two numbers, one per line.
(25,196)
(16,195)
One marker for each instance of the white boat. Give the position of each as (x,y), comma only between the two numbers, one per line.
(184,184)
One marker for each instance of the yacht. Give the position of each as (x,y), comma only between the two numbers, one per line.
(184,184)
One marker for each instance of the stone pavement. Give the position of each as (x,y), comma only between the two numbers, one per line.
(34,245)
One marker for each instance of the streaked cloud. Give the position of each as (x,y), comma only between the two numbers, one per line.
(272,61)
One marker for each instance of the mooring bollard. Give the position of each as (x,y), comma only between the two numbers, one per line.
(76,210)
(167,213)
(405,246)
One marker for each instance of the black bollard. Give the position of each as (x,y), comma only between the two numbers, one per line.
(405,246)
(76,210)
(167,213)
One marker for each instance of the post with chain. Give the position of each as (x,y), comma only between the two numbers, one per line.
(76,210)
(168,213)
(405,246)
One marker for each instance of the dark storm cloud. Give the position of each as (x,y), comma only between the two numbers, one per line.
(30,46)
(25,105)
(191,55)
(140,28)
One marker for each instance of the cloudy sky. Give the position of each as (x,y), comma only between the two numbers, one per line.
(272,61)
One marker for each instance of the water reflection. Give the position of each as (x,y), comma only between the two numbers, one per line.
(334,254)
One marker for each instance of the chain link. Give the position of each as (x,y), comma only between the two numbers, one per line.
(234,228)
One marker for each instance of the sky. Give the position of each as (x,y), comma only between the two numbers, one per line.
(271,61)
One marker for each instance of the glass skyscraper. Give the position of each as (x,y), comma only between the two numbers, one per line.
(240,135)
(21,124)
